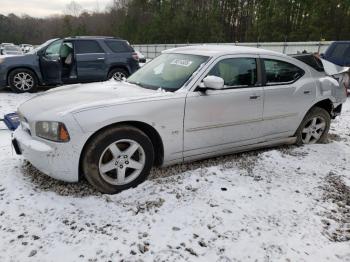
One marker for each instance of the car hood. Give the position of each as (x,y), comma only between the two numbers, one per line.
(10,53)
(15,59)
(74,98)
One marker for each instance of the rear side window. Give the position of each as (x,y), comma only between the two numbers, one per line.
(119,46)
(311,60)
(87,47)
(236,72)
(280,72)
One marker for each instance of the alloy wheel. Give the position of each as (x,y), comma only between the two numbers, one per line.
(313,130)
(118,76)
(122,162)
(23,81)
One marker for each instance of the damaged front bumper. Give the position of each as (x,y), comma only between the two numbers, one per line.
(56,160)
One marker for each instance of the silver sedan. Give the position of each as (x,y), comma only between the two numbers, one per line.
(189,103)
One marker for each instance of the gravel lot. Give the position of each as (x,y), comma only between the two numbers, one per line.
(280,204)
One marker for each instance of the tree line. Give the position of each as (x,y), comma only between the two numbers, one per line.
(192,21)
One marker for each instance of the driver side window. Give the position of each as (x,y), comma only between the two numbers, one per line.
(53,50)
(236,72)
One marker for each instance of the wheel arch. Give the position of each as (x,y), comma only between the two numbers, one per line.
(325,104)
(150,131)
(122,66)
(38,79)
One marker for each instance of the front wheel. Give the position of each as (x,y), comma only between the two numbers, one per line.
(118,74)
(22,80)
(117,159)
(314,127)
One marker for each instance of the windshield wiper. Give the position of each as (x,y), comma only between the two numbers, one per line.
(143,85)
(135,83)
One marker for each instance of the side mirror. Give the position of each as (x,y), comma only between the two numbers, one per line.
(212,82)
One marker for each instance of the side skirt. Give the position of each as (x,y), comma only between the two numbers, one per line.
(239,149)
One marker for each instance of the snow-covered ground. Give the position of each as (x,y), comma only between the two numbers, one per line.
(280,204)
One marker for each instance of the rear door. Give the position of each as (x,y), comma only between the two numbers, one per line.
(289,90)
(90,59)
(50,63)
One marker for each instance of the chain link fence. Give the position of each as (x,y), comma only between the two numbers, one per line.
(153,50)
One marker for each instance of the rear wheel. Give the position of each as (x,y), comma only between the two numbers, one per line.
(314,127)
(117,159)
(22,80)
(118,74)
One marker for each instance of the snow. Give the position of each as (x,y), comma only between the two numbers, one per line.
(265,205)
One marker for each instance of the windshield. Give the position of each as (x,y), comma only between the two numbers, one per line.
(41,46)
(168,71)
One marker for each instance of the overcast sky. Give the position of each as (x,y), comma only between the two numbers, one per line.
(42,8)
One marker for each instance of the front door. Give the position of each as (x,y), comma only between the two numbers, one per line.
(90,59)
(218,121)
(50,63)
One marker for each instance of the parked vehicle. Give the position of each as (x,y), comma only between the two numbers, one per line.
(69,60)
(4,44)
(26,48)
(338,53)
(11,50)
(187,104)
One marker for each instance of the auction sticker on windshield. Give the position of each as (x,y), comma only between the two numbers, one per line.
(181,62)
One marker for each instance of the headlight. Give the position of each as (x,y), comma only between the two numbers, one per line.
(54,131)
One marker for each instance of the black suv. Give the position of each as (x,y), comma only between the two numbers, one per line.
(69,60)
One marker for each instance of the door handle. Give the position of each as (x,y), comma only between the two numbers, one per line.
(254,97)
(307,92)
(101,58)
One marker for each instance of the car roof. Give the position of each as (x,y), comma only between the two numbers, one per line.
(91,37)
(219,50)
(341,42)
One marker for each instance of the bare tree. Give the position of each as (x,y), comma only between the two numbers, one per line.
(73,9)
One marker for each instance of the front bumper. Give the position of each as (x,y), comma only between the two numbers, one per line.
(57,160)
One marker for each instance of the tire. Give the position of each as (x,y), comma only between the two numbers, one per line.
(118,74)
(22,80)
(106,159)
(314,127)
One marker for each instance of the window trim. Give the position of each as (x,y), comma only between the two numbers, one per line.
(263,69)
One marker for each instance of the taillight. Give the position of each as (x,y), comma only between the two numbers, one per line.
(135,56)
